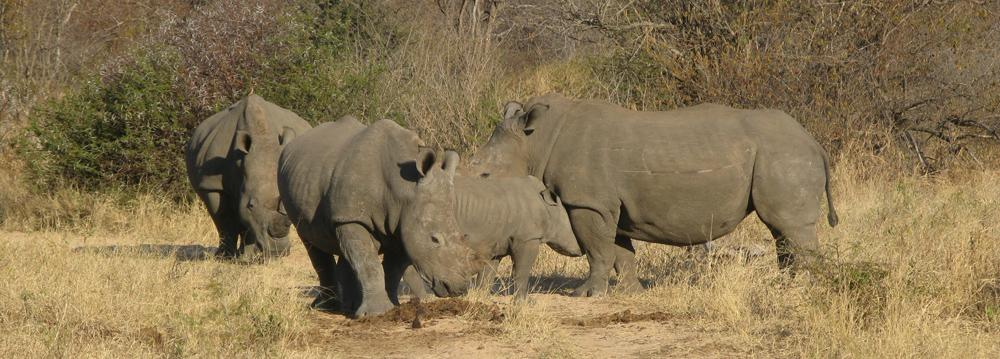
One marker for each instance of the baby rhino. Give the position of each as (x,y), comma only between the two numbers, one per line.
(512,216)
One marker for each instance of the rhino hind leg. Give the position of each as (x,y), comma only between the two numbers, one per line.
(226,223)
(358,247)
(797,246)
(628,278)
(323,263)
(597,239)
(786,195)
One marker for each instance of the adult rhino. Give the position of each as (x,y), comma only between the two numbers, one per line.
(680,177)
(232,164)
(347,186)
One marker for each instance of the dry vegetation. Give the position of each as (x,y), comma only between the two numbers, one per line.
(903,93)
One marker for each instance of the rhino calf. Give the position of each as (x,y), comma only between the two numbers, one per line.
(502,216)
(232,164)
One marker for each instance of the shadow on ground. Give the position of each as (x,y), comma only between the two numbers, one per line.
(190,252)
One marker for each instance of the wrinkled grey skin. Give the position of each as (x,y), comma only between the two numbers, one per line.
(502,216)
(348,187)
(231,163)
(679,177)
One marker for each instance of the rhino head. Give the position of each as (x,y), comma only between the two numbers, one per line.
(260,209)
(429,230)
(507,153)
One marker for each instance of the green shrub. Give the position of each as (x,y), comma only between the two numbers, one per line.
(122,131)
(128,126)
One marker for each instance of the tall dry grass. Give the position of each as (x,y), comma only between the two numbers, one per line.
(912,271)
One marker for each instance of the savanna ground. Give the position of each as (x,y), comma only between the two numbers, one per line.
(103,253)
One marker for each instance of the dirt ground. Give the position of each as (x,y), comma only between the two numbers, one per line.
(592,328)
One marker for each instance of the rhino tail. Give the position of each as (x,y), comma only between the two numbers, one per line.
(831,215)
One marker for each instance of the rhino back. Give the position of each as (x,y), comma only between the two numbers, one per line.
(496,210)
(208,153)
(307,163)
(680,176)
(374,177)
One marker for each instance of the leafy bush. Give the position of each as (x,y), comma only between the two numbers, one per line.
(127,127)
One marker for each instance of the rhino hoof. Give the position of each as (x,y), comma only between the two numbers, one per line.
(325,304)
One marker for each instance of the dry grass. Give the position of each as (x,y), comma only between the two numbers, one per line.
(912,271)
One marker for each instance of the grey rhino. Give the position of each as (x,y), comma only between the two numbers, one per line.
(232,164)
(348,188)
(679,177)
(502,216)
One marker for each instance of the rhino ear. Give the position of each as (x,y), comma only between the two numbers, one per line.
(243,141)
(287,135)
(425,161)
(531,117)
(451,161)
(512,109)
(550,198)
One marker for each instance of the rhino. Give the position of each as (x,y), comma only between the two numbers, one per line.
(232,164)
(348,189)
(505,216)
(681,177)
(354,191)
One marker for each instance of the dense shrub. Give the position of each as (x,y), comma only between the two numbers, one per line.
(128,125)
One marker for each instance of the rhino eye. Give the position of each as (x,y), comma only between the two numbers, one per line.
(436,239)
(484,175)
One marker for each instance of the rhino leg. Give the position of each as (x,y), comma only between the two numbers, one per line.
(797,246)
(628,278)
(786,194)
(523,254)
(347,287)
(226,223)
(597,239)
(394,264)
(359,249)
(416,284)
(488,276)
(325,268)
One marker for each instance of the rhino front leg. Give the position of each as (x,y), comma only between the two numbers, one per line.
(325,268)
(416,284)
(226,223)
(597,239)
(395,264)
(628,278)
(359,249)
(523,254)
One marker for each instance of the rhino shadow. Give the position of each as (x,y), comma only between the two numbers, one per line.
(186,253)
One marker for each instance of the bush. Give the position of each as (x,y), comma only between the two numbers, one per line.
(124,131)
(127,127)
